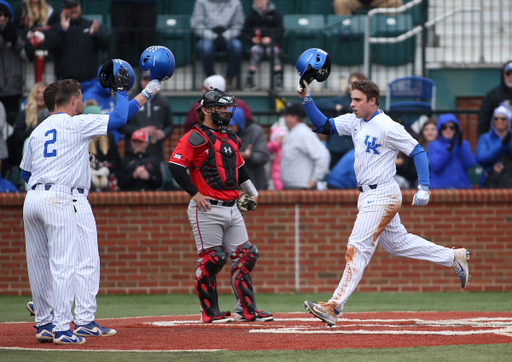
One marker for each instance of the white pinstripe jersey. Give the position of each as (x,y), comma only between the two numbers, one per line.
(376,144)
(57,150)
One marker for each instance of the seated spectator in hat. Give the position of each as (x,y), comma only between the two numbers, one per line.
(305,159)
(214,81)
(494,151)
(140,171)
(154,118)
(254,147)
(450,156)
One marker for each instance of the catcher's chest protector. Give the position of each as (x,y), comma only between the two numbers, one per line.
(219,169)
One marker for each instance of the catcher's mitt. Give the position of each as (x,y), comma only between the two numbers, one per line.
(246,203)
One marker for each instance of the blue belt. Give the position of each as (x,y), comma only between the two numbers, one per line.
(49,186)
(373,187)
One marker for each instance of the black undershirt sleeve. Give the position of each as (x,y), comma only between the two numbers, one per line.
(182,178)
(243,174)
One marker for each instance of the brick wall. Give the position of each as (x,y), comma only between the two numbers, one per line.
(146,245)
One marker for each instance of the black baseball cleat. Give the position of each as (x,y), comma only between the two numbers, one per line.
(261,316)
(219,317)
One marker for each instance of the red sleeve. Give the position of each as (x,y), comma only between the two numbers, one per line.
(186,155)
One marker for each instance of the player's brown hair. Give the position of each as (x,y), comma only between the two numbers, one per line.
(368,88)
(49,96)
(200,115)
(66,89)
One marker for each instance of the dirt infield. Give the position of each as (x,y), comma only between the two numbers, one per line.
(289,331)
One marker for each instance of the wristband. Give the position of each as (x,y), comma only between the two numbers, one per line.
(248,187)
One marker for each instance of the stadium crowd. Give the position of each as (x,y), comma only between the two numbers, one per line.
(275,159)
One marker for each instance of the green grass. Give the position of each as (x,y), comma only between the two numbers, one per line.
(12,309)
(471,353)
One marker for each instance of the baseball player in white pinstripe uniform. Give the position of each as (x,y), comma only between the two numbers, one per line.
(55,164)
(88,262)
(377,141)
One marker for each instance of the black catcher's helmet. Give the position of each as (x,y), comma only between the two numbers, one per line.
(217,98)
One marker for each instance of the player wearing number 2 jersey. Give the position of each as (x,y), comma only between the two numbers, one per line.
(56,164)
(377,141)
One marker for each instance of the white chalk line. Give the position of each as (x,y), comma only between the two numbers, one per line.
(499,325)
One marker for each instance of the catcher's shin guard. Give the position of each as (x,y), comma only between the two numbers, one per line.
(246,256)
(210,263)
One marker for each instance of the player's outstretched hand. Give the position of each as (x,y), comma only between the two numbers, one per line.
(122,80)
(304,90)
(422,196)
(152,88)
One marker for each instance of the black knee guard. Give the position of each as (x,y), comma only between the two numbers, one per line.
(209,265)
(247,254)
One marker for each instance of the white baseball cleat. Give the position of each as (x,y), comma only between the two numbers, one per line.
(461,266)
(324,311)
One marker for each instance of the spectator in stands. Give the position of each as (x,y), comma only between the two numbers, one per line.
(493,98)
(428,133)
(106,159)
(275,147)
(333,107)
(494,151)
(6,185)
(139,170)
(263,29)
(34,18)
(133,22)
(254,147)
(11,76)
(154,118)
(450,156)
(25,123)
(343,175)
(218,24)
(214,81)
(76,44)
(305,159)
(347,7)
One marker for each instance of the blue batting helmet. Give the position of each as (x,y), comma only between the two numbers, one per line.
(314,63)
(160,62)
(108,72)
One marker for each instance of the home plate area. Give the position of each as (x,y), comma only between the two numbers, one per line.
(289,331)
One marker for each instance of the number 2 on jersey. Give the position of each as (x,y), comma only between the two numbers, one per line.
(53,133)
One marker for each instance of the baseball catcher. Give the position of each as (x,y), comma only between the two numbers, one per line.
(211,152)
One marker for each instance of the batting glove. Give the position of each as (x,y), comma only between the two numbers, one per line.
(151,89)
(422,196)
(121,80)
(300,90)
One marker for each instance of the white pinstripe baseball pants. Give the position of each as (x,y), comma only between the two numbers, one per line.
(88,263)
(378,221)
(50,233)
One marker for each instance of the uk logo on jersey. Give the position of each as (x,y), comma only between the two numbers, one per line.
(372,146)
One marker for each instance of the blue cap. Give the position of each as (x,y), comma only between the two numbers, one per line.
(238,118)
